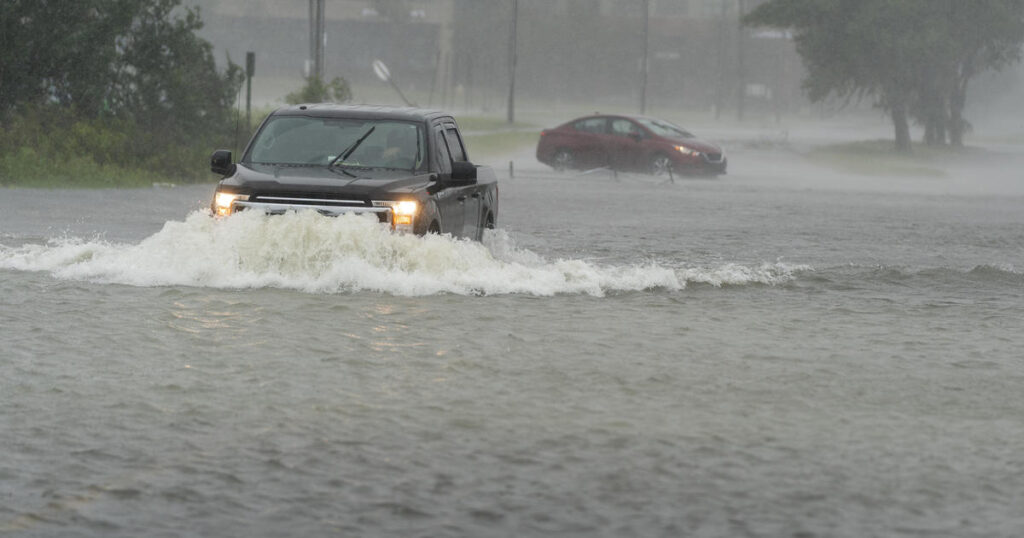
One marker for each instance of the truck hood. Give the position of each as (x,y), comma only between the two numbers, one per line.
(367,182)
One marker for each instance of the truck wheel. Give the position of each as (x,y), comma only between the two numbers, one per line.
(660,165)
(488,225)
(563,160)
(434,228)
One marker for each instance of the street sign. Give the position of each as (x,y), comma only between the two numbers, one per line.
(384,74)
(381,70)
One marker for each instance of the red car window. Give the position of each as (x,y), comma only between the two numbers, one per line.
(590,125)
(624,127)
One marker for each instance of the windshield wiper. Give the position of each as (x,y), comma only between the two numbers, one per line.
(348,151)
(342,170)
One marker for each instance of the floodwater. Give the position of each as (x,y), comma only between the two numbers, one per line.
(782,351)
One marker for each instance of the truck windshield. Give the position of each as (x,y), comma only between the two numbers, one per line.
(304,140)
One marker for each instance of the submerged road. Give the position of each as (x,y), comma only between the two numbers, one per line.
(778,352)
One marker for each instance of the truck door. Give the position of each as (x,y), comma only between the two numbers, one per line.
(448,203)
(468,195)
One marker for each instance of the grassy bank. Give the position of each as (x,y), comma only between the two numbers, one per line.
(489,138)
(25,167)
(483,147)
(50,148)
(879,158)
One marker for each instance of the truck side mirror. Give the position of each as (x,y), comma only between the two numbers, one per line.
(220,162)
(464,172)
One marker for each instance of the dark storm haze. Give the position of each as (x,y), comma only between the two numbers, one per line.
(823,341)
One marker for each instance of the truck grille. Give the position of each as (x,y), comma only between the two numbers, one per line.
(324,203)
(306,198)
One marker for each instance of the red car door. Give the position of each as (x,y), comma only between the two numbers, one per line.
(625,144)
(588,142)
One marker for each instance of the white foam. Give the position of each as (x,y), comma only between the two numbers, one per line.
(733,274)
(311,253)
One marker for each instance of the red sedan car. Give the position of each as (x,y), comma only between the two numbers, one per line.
(635,143)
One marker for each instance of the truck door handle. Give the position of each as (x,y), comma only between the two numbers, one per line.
(476,195)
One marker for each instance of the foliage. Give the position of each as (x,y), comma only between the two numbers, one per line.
(123,57)
(109,83)
(914,57)
(317,91)
(58,51)
(166,75)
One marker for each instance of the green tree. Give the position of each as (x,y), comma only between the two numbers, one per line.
(58,51)
(979,36)
(165,76)
(914,57)
(120,84)
(134,58)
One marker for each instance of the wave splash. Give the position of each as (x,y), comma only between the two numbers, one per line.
(311,253)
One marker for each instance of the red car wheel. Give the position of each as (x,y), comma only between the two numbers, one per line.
(563,160)
(660,165)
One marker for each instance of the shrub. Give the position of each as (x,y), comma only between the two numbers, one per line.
(316,91)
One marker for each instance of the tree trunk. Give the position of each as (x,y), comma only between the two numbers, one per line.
(930,132)
(957,98)
(957,123)
(935,127)
(899,120)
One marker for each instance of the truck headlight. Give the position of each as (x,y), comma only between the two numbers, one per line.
(403,212)
(222,202)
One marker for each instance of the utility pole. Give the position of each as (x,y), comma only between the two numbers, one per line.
(741,75)
(317,38)
(512,64)
(647,46)
(250,69)
(722,82)
(310,66)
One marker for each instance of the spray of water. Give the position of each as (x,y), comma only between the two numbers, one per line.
(308,252)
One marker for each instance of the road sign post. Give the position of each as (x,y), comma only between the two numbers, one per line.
(384,74)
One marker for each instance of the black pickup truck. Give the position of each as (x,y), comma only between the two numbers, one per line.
(407,166)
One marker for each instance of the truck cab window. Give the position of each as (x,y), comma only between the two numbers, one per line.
(444,156)
(455,144)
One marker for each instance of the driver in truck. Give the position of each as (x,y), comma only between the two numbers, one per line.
(402,151)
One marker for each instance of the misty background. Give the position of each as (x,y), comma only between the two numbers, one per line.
(573,57)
